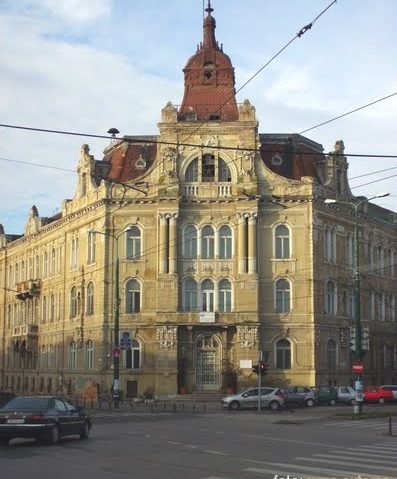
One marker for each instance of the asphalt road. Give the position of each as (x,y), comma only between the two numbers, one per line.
(217,445)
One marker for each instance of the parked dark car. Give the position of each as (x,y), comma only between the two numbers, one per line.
(5,396)
(301,396)
(292,398)
(326,395)
(42,417)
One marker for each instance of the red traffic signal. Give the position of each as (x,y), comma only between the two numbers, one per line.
(260,368)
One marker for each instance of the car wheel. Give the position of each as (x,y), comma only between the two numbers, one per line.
(352,402)
(85,431)
(332,402)
(4,441)
(309,403)
(54,435)
(274,406)
(381,400)
(234,406)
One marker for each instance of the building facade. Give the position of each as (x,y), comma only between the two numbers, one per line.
(222,245)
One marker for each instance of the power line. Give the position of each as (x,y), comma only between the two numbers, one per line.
(348,113)
(375,181)
(372,173)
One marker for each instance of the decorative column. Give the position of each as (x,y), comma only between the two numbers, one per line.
(252,243)
(163,243)
(173,244)
(242,246)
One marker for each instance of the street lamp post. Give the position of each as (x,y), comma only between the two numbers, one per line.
(116,306)
(358,353)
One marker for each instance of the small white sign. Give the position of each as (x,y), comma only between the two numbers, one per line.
(245,363)
(207,317)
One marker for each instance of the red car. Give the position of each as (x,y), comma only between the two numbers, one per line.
(377,394)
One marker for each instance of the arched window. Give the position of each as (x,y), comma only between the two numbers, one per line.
(381,306)
(72,355)
(132,356)
(73,302)
(330,298)
(30,272)
(23,270)
(283,354)
(207,242)
(51,357)
(392,307)
(52,308)
(330,245)
(133,242)
(189,301)
(89,354)
(225,296)
(207,291)
(189,244)
(37,267)
(282,242)
(91,246)
(44,310)
(132,296)
(224,173)
(225,242)
(90,299)
(283,296)
(207,168)
(349,250)
(371,304)
(53,262)
(191,175)
(331,354)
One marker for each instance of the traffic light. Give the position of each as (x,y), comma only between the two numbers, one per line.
(262,368)
(365,339)
(353,342)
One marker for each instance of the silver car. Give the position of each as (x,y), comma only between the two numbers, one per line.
(346,395)
(271,398)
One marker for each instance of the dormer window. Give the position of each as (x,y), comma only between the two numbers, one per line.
(277,160)
(140,163)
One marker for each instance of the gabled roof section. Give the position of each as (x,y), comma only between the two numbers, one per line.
(209,80)
(128,159)
(291,155)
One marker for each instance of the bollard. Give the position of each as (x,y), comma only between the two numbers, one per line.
(164,405)
(390,427)
(183,406)
(110,405)
(174,407)
(132,405)
(194,407)
(205,407)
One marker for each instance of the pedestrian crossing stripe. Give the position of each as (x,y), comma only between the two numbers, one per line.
(365,454)
(373,461)
(337,461)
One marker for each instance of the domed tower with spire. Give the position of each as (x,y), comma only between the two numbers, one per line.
(209,79)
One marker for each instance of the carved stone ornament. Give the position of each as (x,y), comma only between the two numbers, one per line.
(247,336)
(317,336)
(343,336)
(167,337)
(78,337)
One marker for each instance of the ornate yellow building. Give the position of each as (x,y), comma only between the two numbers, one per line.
(225,246)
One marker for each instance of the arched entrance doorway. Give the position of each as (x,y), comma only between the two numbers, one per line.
(208,363)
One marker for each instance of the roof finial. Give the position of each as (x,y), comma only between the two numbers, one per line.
(209,9)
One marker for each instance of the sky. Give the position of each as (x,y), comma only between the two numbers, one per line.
(93,65)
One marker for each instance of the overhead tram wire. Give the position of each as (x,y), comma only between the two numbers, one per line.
(348,113)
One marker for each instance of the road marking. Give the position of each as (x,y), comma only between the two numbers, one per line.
(218,453)
(270,438)
(375,461)
(316,470)
(347,463)
(386,454)
(371,448)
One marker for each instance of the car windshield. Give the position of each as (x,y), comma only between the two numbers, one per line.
(27,403)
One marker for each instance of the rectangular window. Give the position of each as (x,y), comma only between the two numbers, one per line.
(208,168)
(91,248)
